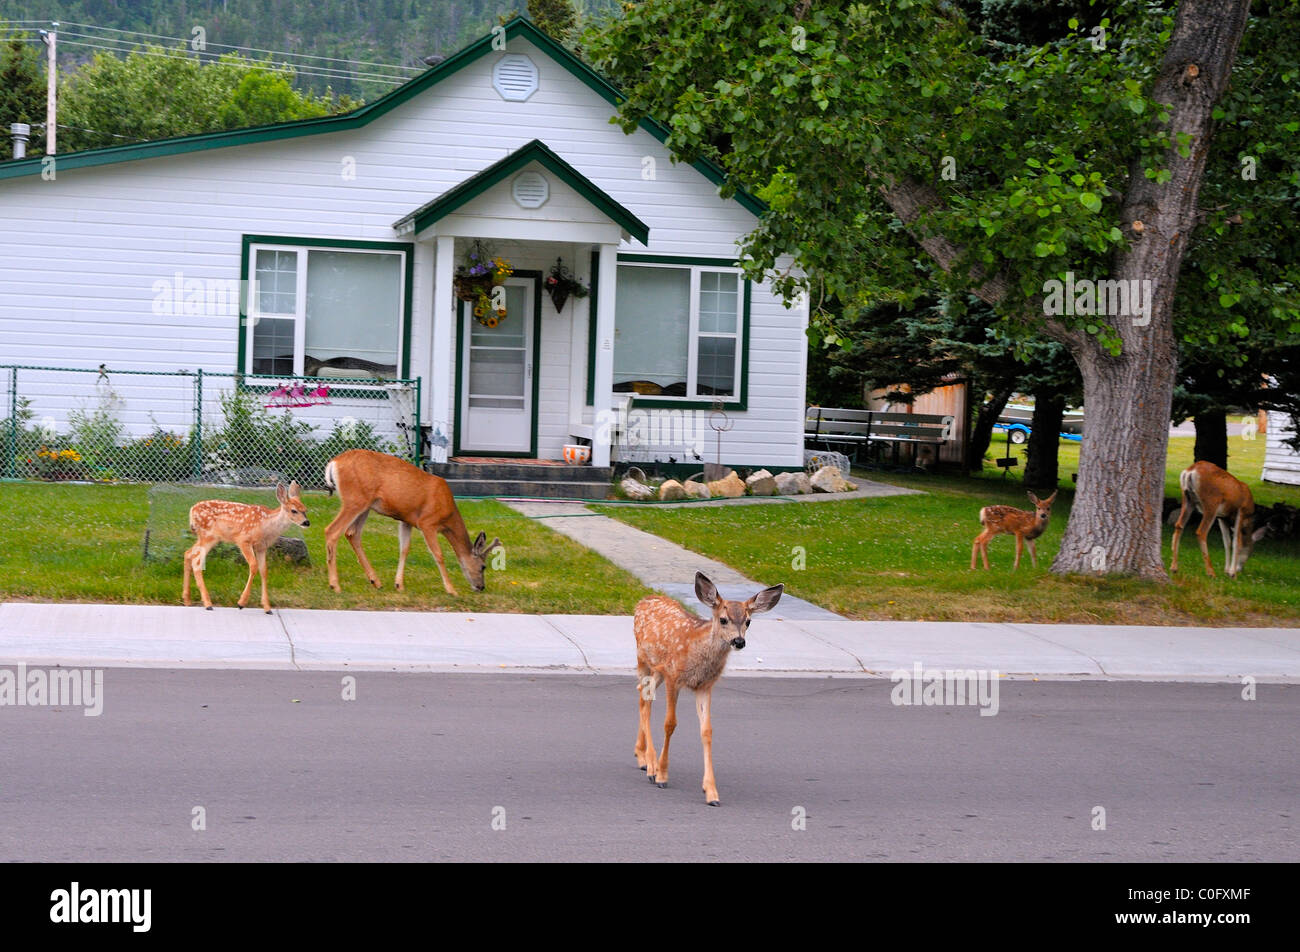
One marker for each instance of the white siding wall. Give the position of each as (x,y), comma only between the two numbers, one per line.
(80,256)
(1281,463)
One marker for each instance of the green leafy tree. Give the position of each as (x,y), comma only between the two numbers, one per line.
(877,130)
(159,92)
(558,19)
(22,91)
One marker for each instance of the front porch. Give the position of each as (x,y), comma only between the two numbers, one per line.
(525,383)
(530,478)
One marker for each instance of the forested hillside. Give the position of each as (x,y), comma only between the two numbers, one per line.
(390,32)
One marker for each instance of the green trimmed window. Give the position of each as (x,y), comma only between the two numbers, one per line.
(325,311)
(678,332)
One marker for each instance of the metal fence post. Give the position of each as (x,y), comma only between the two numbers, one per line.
(13,422)
(419,434)
(197,432)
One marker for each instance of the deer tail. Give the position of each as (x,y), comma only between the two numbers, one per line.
(330,481)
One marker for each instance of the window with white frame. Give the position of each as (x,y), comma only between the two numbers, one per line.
(325,311)
(677,331)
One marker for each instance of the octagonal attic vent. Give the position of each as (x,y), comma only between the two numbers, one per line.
(514,77)
(531,190)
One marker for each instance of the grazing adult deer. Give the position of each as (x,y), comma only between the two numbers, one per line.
(1218,496)
(392,487)
(1024,525)
(679,650)
(253,528)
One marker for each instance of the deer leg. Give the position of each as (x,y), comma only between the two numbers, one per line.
(188,570)
(1201,534)
(1020,547)
(1229,546)
(1178,531)
(670,725)
(431,540)
(199,559)
(645,740)
(343,521)
(403,547)
(982,545)
(703,701)
(250,556)
(261,570)
(354,539)
(1033,556)
(645,685)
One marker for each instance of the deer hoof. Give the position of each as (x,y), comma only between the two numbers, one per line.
(207,608)
(661,786)
(715,803)
(268,611)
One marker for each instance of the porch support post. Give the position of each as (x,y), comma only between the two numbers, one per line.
(602,420)
(442,414)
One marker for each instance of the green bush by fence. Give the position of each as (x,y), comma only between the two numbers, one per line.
(231,434)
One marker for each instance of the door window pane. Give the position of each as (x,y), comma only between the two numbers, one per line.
(272,345)
(277,282)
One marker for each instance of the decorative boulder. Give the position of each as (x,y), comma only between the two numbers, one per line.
(828,480)
(672,489)
(761,483)
(697,490)
(792,484)
(291,549)
(636,490)
(731,487)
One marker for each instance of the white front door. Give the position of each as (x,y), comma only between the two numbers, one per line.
(496,373)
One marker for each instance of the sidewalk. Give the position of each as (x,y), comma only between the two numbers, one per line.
(295,639)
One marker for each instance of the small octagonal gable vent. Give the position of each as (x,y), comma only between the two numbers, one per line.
(531,190)
(514,77)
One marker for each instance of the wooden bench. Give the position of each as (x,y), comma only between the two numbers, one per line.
(832,426)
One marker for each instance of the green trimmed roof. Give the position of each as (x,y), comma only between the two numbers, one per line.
(519,26)
(535,151)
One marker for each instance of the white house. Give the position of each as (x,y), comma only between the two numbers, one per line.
(1281,463)
(349,230)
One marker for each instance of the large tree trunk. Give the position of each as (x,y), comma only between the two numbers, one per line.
(1115,522)
(982,433)
(1212,437)
(1042,470)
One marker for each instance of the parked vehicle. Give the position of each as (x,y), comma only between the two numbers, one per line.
(1016,419)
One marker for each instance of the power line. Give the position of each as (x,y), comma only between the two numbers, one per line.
(301,71)
(251,49)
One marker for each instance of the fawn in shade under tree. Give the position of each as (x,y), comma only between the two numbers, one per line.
(253,528)
(1218,496)
(675,648)
(1024,525)
(392,487)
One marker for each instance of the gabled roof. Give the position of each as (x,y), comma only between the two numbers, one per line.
(535,151)
(519,26)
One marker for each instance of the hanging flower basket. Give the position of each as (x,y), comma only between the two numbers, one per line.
(561,283)
(475,279)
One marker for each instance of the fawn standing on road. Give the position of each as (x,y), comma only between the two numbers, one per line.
(680,650)
(1024,525)
(253,528)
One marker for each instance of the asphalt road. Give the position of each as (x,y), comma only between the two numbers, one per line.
(423,766)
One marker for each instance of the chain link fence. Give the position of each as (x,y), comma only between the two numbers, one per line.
(110,425)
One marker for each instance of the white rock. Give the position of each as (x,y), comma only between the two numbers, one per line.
(697,490)
(828,480)
(672,489)
(792,484)
(761,483)
(635,490)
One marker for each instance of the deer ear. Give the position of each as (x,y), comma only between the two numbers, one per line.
(494,544)
(1032,498)
(705,590)
(1259,533)
(766,599)
(280,493)
(1052,496)
(294,489)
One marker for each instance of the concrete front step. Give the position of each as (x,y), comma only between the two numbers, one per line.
(522,472)
(538,488)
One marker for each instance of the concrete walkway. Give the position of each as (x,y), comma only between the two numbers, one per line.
(76,635)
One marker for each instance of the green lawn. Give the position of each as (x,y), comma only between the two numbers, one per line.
(61,542)
(908,557)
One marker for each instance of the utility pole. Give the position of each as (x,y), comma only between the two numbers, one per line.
(51,38)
